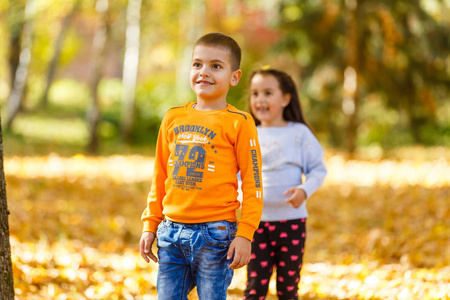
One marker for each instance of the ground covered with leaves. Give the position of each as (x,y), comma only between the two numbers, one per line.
(377,229)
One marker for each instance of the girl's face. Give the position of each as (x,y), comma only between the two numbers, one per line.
(267,101)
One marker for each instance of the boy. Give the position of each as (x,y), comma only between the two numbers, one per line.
(192,204)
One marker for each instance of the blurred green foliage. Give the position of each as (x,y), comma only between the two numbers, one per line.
(402,49)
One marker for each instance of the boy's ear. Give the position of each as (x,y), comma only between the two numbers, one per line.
(235,77)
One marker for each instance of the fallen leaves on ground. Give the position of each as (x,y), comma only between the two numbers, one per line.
(377,230)
(69,269)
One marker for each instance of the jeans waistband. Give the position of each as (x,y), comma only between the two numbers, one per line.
(192,225)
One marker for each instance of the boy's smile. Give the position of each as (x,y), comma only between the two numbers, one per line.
(211,75)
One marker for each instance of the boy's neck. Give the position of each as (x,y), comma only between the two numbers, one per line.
(210,104)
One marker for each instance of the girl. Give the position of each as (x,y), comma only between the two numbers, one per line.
(289,149)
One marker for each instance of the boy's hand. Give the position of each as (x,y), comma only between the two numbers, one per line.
(297,198)
(242,249)
(145,245)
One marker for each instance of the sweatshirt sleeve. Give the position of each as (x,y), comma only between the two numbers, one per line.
(314,166)
(249,161)
(153,213)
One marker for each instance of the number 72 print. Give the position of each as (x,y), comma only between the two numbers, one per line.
(196,156)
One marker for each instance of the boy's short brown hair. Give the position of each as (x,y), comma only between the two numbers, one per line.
(216,39)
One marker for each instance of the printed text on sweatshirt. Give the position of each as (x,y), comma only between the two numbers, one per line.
(198,155)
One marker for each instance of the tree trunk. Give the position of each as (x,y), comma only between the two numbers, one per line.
(194,21)
(15,19)
(6,274)
(20,75)
(130,66)
(14,56)
(350,103)
(58,46)
(97,66)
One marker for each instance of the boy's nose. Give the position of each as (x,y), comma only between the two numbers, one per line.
(203,72)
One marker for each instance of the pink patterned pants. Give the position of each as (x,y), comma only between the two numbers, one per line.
(276,245)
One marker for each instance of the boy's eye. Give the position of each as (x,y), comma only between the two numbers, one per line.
(268,93)
(255,94)
(215,66)
(196,65)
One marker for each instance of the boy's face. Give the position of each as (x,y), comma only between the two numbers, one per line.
(211,73)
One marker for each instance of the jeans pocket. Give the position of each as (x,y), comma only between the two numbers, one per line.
(219,233)
(164,235)
(161,227)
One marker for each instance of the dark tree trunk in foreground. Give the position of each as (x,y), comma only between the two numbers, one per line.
(6,274)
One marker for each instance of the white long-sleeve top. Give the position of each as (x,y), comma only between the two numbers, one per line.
(287,153)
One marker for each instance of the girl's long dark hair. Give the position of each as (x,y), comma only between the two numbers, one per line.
(293,111)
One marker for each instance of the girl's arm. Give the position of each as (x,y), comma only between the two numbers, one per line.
(313,163)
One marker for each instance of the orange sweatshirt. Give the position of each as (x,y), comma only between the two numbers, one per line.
(198,155)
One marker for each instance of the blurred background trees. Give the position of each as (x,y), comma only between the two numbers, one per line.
(99,75)
(96,76)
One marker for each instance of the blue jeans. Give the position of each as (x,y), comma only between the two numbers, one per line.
(194,255)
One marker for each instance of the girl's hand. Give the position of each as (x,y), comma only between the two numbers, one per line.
(297,198)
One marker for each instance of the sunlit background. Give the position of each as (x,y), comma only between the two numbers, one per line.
(84,85)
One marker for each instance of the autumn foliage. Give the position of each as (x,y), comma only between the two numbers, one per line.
(377,230)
